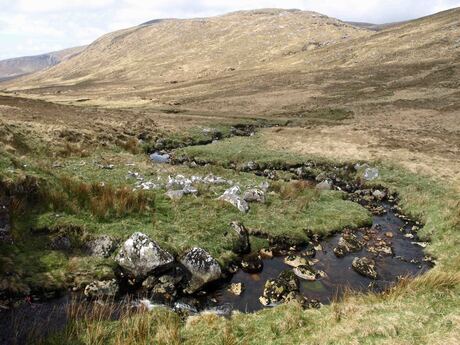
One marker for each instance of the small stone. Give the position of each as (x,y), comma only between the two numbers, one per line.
(325,185)
(264,301)
(371,174)
(378,194)
(305,272)
(175,194)
(295,261)
(266,253)
(409,235)
(236,288)
(365,267)
(102,246)
(102,289)
(252,263)
(421,244)
(389,234)
(254,195)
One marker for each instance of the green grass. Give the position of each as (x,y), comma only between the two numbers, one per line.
(419,311)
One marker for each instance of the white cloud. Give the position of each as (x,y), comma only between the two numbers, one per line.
(32,26)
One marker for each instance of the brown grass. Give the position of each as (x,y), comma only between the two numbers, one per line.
(102,200)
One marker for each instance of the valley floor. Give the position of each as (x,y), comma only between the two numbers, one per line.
(52,155)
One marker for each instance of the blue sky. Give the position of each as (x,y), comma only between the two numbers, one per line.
(29,27)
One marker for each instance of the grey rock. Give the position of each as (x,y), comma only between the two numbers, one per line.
(159,158)
(249,166)
(370,174)
(141,256)
(102,246)
(265,186)
(378,194)
(233,197)
(101,289)
(324,185)
(254,195)
(175,194)
(202,267)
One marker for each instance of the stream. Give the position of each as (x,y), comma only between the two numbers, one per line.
(389,229)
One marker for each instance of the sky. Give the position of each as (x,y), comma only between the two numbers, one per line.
(30,27)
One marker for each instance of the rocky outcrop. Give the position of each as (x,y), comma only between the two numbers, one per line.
(141,256)
(101,289)
(203,269)
(365,267)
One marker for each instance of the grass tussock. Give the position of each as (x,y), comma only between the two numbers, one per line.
(102,200)
(73,149)
(114,323)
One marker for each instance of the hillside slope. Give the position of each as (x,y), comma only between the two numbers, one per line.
(15,67)
(177,50)
(261,62)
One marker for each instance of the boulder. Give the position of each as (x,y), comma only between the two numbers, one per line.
(203,269)
(101,289)
(254,195)
(365,267)
(102,246)
(239,238)
(140,256)
(348,243)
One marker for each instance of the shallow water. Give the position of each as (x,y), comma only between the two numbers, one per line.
(339,274)
(17,326)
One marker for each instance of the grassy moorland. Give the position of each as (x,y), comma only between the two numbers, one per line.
(424,310)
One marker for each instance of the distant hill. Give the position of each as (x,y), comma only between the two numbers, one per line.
(15,67)
(376,27)
(259,61)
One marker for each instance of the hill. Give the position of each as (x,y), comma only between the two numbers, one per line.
(15,67)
